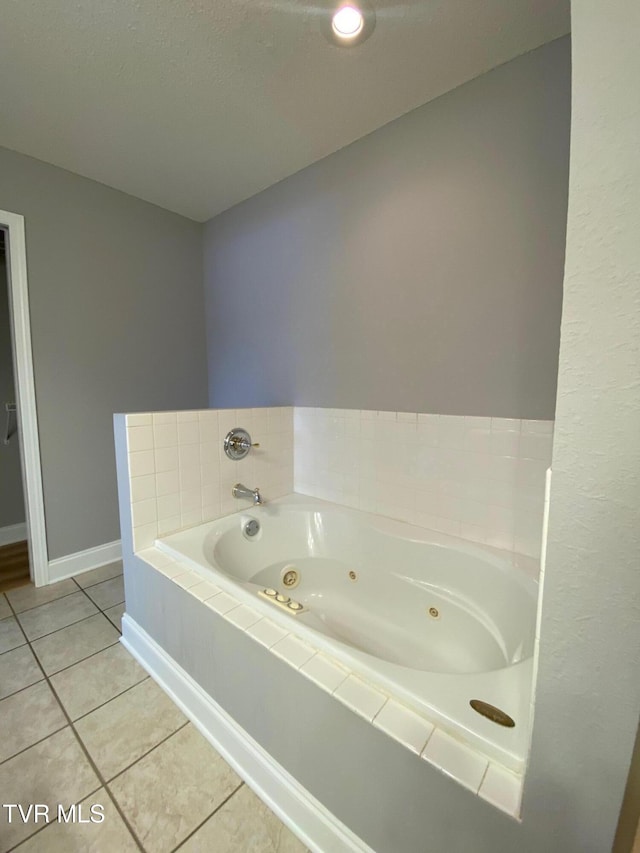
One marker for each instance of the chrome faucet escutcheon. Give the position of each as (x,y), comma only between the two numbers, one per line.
(240,491)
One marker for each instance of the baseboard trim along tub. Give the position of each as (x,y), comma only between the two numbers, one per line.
(82,561)
(305,816)
(13,533)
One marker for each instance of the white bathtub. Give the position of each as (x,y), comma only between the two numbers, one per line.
(433,620)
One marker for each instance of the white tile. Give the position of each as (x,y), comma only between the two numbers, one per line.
(171,570)
(189,455)
(143,488)
(167,483)
(455,759)
(387,416)
(155,557)
(502,789)
(183,417)
(266,632)
(165,435)
(166,458)
(140,438)
(293,650)
(222,602)
(187,579)
(536,446)
(545,427)
(144,536)
(165,418)
(191,518)
(404,725)
(360,697)
(139,420)
(190,478)
(188,432)
(511,424)
(227,421)
(243,616)
(141,462)
(205,590)
(169,525)
(324,672)
(407,417)
(143,512)
(451,432)
(505,442)
(473,422)
(190,499)
(168,506)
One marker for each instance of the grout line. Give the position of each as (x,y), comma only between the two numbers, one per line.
(51,633)
(81,660)
(97,583)
(149,751)
(42,604)
(35,743)
(208,817)
(26,686)
(115,696)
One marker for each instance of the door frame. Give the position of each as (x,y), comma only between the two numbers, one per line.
(27,415)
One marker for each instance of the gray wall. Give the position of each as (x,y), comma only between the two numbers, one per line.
(115,287)
(419,269)
(11,496)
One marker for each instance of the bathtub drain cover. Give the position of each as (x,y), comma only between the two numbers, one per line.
(492,713)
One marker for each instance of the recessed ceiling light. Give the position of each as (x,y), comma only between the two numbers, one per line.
(347,22)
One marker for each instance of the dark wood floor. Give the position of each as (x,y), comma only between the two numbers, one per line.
(14,565)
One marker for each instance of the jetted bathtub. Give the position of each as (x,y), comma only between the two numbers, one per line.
(433,620)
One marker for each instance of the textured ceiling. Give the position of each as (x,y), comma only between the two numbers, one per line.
(195,105)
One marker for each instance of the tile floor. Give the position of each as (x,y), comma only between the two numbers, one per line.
(82,723)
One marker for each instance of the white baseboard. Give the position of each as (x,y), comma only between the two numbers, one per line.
(81,561)
(305,816)
(13,533)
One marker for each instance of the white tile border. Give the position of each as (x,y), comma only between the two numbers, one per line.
(490,780)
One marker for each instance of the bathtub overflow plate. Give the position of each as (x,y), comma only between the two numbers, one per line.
(252,527)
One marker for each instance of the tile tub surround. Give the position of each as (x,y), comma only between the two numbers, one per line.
(487,779)
(478,478)
(161,783)
(180,475)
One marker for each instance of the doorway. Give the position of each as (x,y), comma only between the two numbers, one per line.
(22,523)
(14,551)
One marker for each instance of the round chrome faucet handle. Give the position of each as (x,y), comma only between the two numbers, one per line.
(237,443)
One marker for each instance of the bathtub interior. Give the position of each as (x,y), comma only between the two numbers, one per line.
(397,596)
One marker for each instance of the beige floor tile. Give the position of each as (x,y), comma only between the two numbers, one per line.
(10,635)
(27,717)
(55,615)
(18,669)
(72,644)
(96,680)
(103,573)
(121,731)
(107,593)
(25,597)
(173,789)
(5,610)
(243,825)
(115,614)
(110,836)
(53,771)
